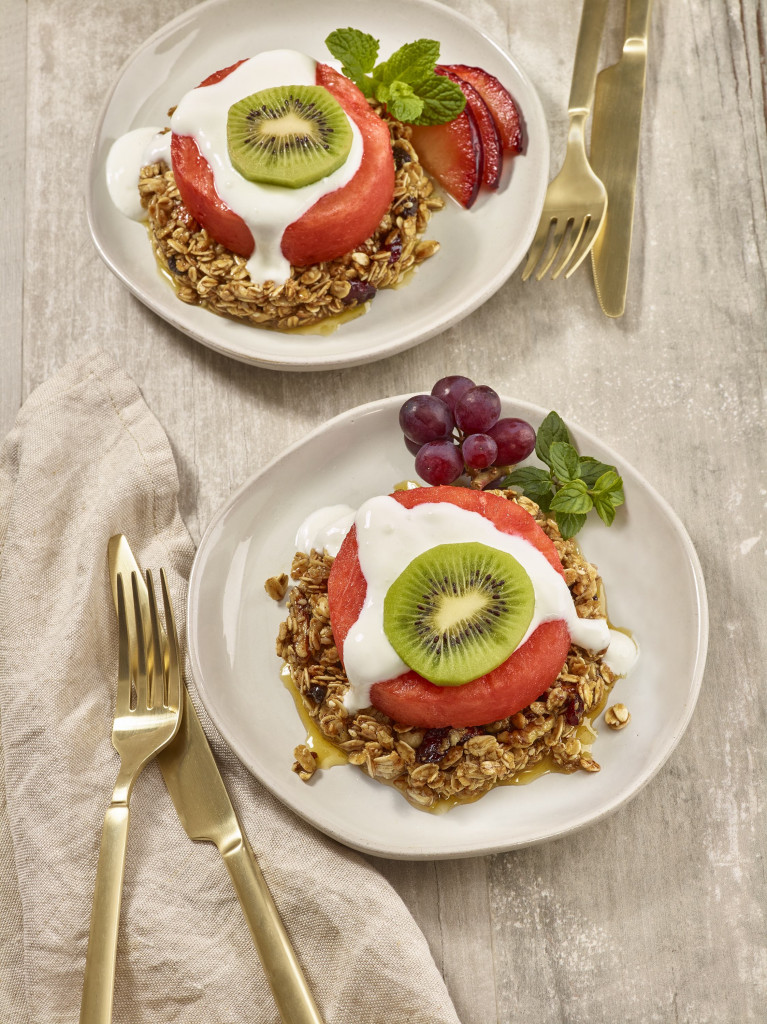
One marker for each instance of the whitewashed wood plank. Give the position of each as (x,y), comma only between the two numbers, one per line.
(12,173)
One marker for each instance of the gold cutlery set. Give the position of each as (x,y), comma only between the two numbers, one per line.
(589,206)
(155,717)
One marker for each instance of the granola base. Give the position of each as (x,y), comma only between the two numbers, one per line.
(432,767)
(206,274)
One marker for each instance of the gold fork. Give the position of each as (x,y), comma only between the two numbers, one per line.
(576,200)
(146,719)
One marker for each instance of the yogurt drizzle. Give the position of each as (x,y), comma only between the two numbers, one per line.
(202,113)
(125,159)
(389,537)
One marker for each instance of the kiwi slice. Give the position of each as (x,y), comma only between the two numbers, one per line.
(290,135)
(458,611)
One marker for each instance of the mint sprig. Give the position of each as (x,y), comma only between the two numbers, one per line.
(573,485)
(406,83)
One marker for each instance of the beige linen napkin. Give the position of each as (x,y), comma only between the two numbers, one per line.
(85,460)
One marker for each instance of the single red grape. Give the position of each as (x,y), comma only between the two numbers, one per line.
(412,446)
(451,389)
(439,462)
(425,418)
(515,439)
(479,451)
(478,410)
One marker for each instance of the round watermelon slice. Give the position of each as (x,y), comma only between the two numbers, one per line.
(522,678)
(336,224)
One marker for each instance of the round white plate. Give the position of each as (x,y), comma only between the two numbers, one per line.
(654,587)
(481,247)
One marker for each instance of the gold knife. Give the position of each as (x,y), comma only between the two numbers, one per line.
(614,155)
(205,810)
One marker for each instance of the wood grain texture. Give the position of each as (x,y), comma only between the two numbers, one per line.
(12,173)
(657,913)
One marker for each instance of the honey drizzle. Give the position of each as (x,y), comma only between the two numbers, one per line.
(328,754)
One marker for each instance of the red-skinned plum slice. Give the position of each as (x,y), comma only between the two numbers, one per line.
(452,153)
(500,101)
(492,151)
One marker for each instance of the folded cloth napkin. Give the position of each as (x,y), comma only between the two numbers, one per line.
(85,460)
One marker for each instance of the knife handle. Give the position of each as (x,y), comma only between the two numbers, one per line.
(99,980)
(637,24)
(283,972)
(587,56)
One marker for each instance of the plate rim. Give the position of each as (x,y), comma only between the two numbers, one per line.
(288,363)
(357,841)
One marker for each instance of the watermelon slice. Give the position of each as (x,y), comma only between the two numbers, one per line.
(337,222)
(522,678)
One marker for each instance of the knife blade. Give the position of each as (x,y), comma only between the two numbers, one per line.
(203,806)
(614,155)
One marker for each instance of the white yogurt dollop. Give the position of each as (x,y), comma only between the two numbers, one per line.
(622,652)
(325,529)
(125,159)
(202,113)
(390,536)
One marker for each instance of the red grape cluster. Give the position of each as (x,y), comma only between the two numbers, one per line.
(457,429)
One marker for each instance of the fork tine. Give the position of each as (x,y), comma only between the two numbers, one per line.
(537,248)
(557,244)
(174,664)
(587,244)
(142,683)
(157,697)
(123,658)
(568,250)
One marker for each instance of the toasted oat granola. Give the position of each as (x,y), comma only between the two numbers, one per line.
(209,275)
(433,765)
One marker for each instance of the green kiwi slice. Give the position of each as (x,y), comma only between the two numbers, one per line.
(290,135)
(458,611)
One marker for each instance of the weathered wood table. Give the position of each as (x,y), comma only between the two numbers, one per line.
(658,912)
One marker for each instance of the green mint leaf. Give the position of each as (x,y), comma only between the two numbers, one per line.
(579,483)
(366,86)
(569,523)
(412,63)
(528,476)
(403,102)
(534,482)
(443,100)
(610,485)
(573,498)
(552,429)
(592,469)
(605,508)
(401,90)
(543,501)
(564,461)
(356,50)
(406,82)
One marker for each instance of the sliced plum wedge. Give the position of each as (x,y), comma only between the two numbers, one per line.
(492,149)
(452,153)
(500,101)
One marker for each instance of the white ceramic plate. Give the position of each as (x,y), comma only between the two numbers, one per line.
(480,248)
(654,587)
